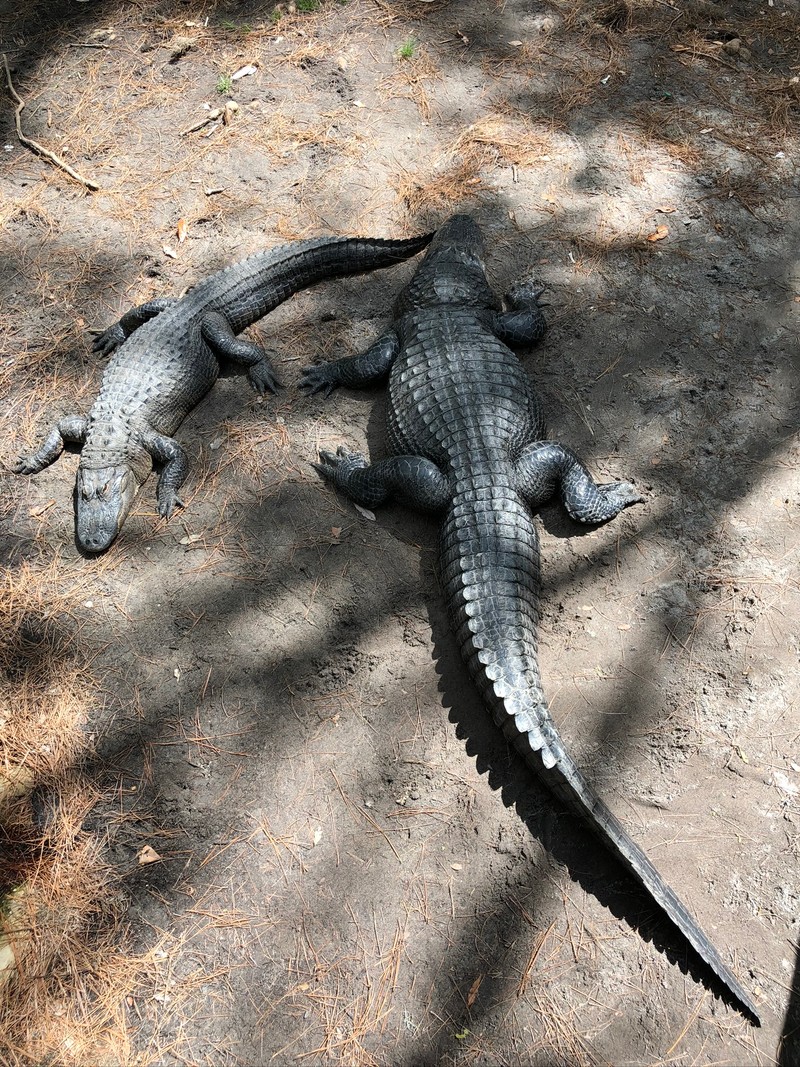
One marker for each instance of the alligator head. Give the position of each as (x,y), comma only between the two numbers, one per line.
(460,233)
(104,496)
(452,271)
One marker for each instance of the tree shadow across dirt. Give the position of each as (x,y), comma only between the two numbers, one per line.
(145,732)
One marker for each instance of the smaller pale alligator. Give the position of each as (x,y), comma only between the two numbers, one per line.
(467,440)
(168,359)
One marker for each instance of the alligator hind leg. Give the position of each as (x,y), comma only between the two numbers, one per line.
(71,429)
(167,451)
(117,334)
(219,335)
(367,368)
(414,480)
(545,467)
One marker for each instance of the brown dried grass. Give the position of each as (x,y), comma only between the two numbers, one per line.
(412,79)
(495,140)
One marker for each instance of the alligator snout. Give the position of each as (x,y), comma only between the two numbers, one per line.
(103,499)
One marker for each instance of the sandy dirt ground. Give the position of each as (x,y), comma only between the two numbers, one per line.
(254,811)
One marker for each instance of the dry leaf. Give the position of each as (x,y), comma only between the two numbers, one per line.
(146,854)
(183,226)
(169,252)
(473,990)
(658,234)
(457,866)
(242,72)
(41,509)
(365,512)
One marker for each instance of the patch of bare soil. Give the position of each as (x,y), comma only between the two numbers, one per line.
(253,810)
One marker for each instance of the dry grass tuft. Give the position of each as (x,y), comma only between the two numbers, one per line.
(508,138)
(68,986)
(283,134)
(45,683)
(411,81)
(53,883)
(454,183)
(495,140)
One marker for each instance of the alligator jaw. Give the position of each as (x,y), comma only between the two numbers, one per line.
(104,496)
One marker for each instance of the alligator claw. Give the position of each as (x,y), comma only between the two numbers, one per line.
(334,466)
(167,504)
(263,379)
(526,292)
(318,379)
(24,465)
(106,342)
(624,493)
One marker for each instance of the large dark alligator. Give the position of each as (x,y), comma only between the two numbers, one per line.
(467,439)
(167,360)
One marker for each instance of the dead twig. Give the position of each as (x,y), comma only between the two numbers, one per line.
(34,145)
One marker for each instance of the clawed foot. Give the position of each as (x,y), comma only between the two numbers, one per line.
(336,467)
(106,342)
(526,294)
(623,494)
(168,500)
(262,378)
(26,465)
(319,379)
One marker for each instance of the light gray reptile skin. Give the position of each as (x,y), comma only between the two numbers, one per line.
(168,359)
(467,440)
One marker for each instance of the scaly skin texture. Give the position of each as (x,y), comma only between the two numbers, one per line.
(467,440)
(167,360)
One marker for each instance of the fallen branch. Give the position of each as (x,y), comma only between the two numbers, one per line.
(34,145)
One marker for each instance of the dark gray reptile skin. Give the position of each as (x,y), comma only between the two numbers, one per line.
(467,439)
(168,359)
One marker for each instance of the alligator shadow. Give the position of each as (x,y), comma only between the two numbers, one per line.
(565,838)
(789,1052)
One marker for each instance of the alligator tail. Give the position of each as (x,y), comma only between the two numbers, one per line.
(489,559)
(253,287)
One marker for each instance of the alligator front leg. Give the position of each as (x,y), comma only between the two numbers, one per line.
(545,468)
(414,480)
(71,429)
(219,335)
(367,368)
(175,466)
(117,334)
(524,325)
